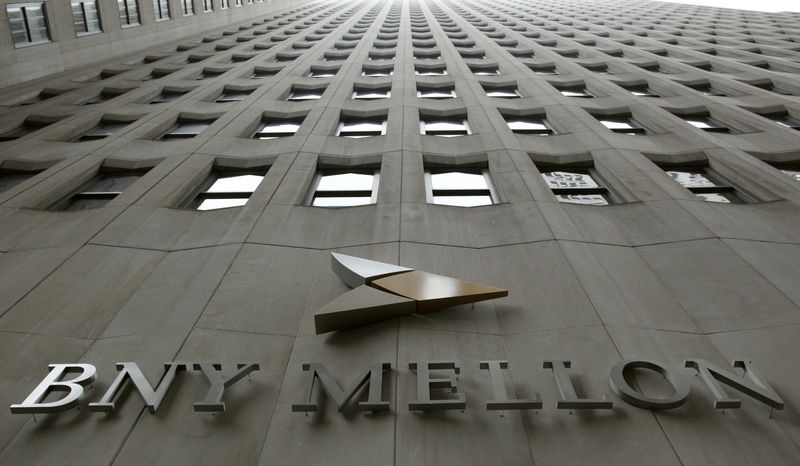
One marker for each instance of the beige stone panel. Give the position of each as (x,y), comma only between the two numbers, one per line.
(330,436)
(559,436)
(778,263)
(233,437)
(31,228)
(623,289)
(84,294)
(699,433)
(472,437)
(23,270)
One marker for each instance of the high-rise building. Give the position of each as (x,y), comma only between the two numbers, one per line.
(175,174)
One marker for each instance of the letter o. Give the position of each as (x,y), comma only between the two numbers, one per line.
(632,396)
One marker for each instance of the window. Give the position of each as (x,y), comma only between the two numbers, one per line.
(274,128)
(102,131)
(463,188)
(85,17)
(622,125)
(322,72)
(437,92)
(444,127)
(430,70)
(187,6)
(361,128)
(26,128)
(537,125)
(485,70)
(128,12)
(599,69)
(427,55)
(544,69)
(260,73)
(230,95)
(166,96)
(207,6)
(784,119)
(380,56)
(377,72)
(186,129)
(299,95)
(707,89)
(642,91)
(372,94)
(575,91)
(226,188)
(344,189)
(35,99)
(502,92)
(238,3)
(11,178)
(708,124)
(792,170)
(224,4)
(101,189)
(206,74)
(704,183)
(577,186)
(28,23)
(161,9)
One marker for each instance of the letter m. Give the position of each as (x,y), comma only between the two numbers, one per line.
(752,386)
(372,376)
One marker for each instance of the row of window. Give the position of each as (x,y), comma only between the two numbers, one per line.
(29,24)
(272,128)
(343,188)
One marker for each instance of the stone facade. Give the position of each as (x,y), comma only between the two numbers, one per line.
(659,273)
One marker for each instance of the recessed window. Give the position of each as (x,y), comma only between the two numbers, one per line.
(167,96)
(462,188)
(161,9)
(470,55)
(707,89)
(11,178)
(502,92)
(577,186)
(444,126)
(335,188)
(436,92)
(430,70)
(785,120)
(792,170)
(230,95)
(128,12)
(207,74)
(85,17)
(575,91)
(485,70)
(380,56)
(207,6)
(371,94)
(186,129)
(101,189)
(26,128)
(599,69)
(28,23)
(377,72)
(622,125)
(300,95)
(642,91)
(102,131)
(544,69)
(361,128)
(260,73)
(224,189)
(537,125)
(708,124)
(705,184)
(273,128)
(335,57)
(322,72)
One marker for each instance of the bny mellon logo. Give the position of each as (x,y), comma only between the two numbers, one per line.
(384,291)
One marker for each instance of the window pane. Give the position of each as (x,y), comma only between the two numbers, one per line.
(527,125)
(713,197)
(561,179)
(213,204)
(793,173)
(587,199)
(346,182)
(9,180)
(79,203)
(462,201)
(17,23)
(78,18)
(691,179)
(236,184)
(617,124)
(458,180)
(340,201)
(189,128)
(37,23)
(112,183)
(272,130)
(503,94)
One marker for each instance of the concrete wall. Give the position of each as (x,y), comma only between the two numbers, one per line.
(661,274)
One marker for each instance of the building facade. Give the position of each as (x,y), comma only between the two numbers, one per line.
(172,183)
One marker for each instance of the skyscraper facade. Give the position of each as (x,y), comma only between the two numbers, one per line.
(175,174)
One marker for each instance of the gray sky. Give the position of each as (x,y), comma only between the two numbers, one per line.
(757,5)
